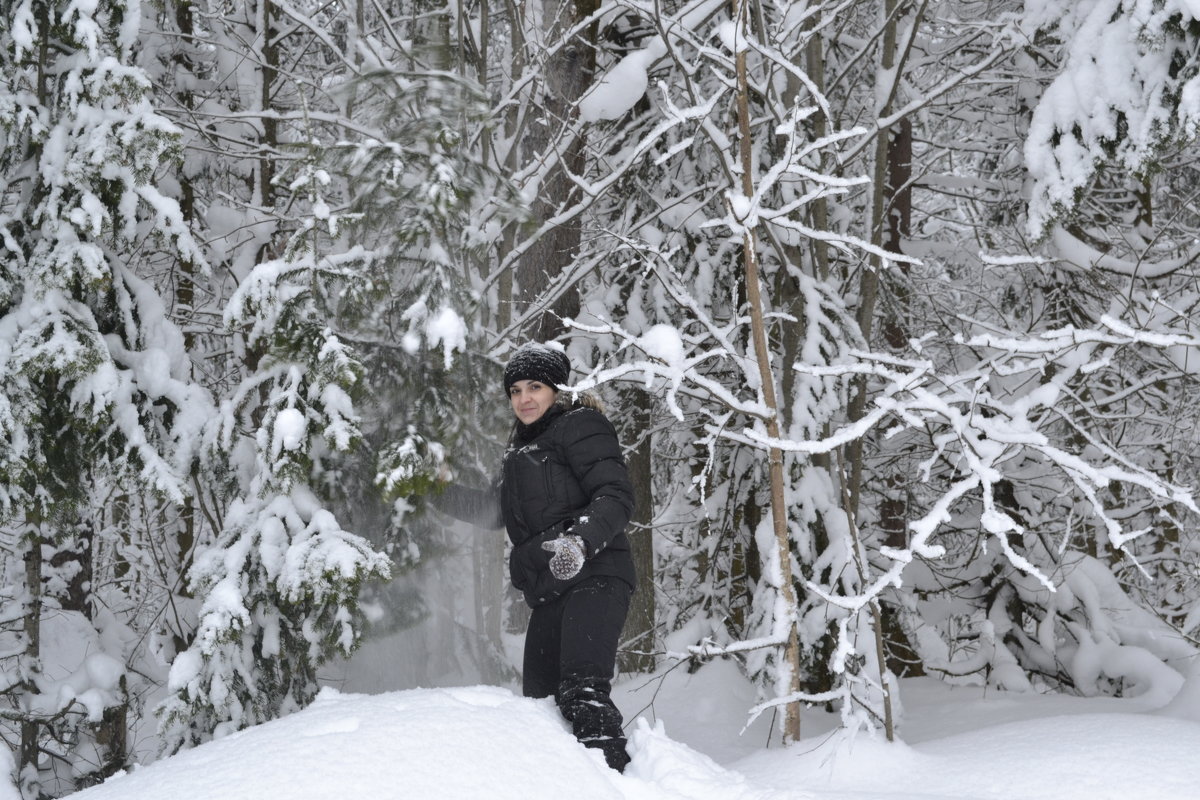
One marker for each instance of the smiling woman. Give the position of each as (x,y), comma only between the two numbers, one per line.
(530,400)
(565,498)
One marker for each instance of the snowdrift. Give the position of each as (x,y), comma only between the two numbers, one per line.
(477,742)
(485,742)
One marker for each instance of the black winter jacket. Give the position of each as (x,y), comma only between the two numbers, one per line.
(570,477)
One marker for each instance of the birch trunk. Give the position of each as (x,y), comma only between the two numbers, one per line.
(754,297)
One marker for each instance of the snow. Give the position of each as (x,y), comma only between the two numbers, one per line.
(1076,252)
(621,87)
(95,685)
(686,739)
(76,669)
(443,327)
(1052,758)
(1116,86)
(290,428)
(665,343)
(449,330)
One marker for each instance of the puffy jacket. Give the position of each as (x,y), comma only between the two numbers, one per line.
(570,476)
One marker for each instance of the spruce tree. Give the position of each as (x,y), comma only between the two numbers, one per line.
(94,387)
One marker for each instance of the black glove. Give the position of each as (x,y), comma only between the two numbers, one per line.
(568,558)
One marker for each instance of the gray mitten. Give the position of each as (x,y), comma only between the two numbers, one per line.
(568,558)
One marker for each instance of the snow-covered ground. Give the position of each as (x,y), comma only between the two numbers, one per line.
(965,743)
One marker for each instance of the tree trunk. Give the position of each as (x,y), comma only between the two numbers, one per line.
(185,281)
(869,284)
(893,514)
(27,762)
(791,729)
(488,547)
(513,127)
(639,637)
(268,33)
(567,73)
(814,66)
(75,545)
(112,737)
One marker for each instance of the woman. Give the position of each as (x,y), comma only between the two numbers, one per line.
(565,498)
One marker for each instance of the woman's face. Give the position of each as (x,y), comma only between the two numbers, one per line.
(530,399)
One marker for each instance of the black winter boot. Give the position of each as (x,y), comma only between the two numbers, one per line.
(614,752)
(594,718)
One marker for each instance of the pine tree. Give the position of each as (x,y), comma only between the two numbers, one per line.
(94,386)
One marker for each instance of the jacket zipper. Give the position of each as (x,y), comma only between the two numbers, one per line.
(546,482)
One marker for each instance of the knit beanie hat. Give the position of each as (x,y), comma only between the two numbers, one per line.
(537,362)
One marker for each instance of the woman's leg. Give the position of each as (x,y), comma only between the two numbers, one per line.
(593,614)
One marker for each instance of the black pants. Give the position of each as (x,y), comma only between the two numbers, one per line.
(571,653)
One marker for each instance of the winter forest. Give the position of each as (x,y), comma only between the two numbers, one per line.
(893,303)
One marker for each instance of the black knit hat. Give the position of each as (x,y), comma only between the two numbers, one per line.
(537,362)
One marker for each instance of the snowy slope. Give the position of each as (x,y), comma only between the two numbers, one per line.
(470,742)
(485,742)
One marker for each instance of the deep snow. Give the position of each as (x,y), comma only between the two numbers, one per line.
(965,743)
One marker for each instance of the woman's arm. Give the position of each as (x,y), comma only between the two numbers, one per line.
(594,455)
(479,507)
